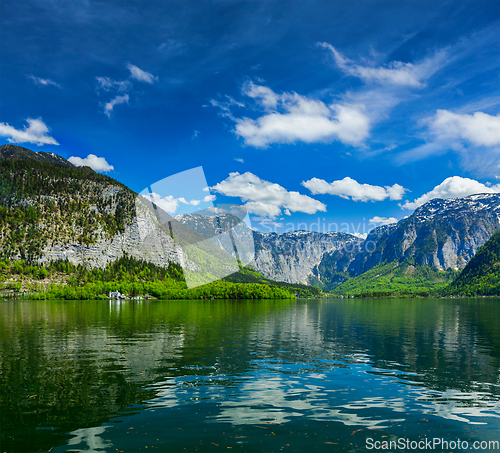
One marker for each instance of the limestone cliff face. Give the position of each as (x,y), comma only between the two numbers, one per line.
(294,257)
(142,238)
(442,234)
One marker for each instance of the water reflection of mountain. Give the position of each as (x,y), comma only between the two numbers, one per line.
(77,365)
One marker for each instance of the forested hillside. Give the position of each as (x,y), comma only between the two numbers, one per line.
(44,202)
(128,275)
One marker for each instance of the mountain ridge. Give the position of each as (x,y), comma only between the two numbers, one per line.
(16,152)
(51,210)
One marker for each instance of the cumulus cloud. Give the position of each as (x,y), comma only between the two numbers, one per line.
(96,163)
(480,129)
(396,73)
(168,204)
(108,108)
(350,188)
(43,82)
(140,75)
(36,132)
(239,159)
(383,220)
(265,198)
(106,84)
(291,118)
(452,187)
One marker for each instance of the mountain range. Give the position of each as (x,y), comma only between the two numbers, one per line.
(51,210)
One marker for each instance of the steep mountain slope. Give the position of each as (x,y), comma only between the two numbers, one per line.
(442,234)
(51,210)
(295,257)
(332,270)
(481,276)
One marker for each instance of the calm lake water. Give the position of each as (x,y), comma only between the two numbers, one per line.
(260,376)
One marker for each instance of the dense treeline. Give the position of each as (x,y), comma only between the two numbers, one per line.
(481,276)
(130,276)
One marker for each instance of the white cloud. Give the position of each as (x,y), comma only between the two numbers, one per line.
(396,73)
(350,188)
(96,163)
(264,95)
(106,84)
(300,118)
(383,220)
(480,129)
(108,108)
(239,159)
(265,198)
(43,82)
(192,202)
(36,132)
(474,137)
(225,105)
(140,75)
(452,187)
(168,204)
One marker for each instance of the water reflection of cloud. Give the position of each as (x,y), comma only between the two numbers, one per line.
(88,440)
(264,400)
(278,400)
(458,406)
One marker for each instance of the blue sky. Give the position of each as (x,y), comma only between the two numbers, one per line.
(325,115)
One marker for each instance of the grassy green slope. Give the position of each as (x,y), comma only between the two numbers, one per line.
(481,276)
(394,278)
(249,275)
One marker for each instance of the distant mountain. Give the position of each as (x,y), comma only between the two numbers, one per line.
(296,257)
(481,276)
(442,234)
(423,250)
(285,257)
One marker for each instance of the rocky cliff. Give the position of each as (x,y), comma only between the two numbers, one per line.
(294,257)
(442,234)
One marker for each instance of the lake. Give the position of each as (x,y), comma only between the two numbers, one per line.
(248,376)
